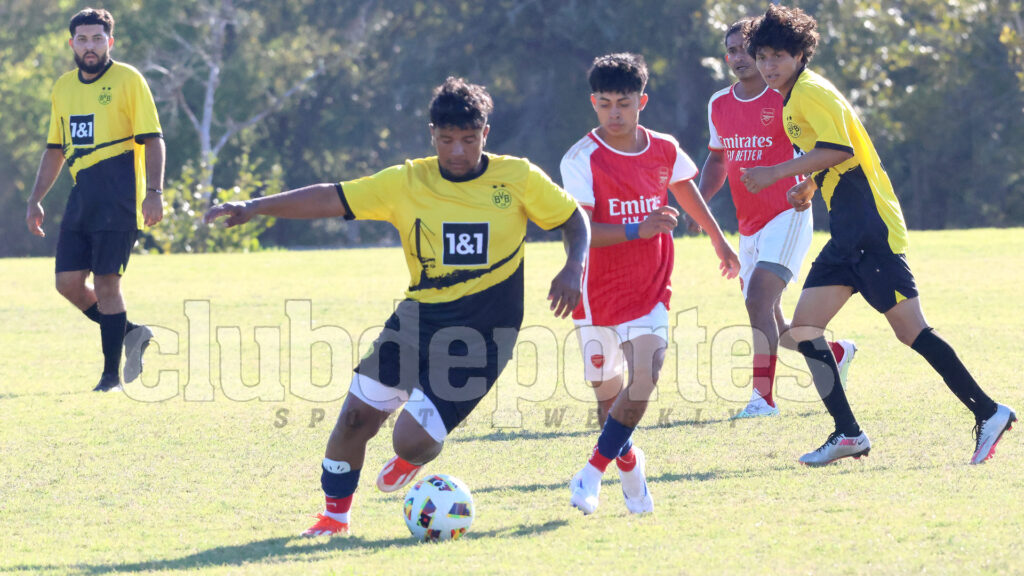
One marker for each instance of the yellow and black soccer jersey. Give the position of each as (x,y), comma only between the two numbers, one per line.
(864,214)
(100,125)
(459,237)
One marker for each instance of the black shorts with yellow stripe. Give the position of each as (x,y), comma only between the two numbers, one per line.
(883,278)
(103,252)
(452,351)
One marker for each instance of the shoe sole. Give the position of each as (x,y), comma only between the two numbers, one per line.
(856,456)
(992,450)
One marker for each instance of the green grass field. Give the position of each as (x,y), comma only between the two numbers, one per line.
(197,473)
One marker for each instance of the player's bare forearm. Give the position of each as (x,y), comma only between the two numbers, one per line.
(691,201)
(760,177)
(49,168)
(567,286)
(316,201)
(713,175)
(606,234)
(156,157)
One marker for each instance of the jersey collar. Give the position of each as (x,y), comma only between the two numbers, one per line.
(469,175)
(798,74)
(102,72)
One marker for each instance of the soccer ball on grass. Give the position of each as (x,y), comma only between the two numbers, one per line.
(437,508)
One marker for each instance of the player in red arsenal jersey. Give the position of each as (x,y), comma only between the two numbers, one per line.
(745,121)
(620,173)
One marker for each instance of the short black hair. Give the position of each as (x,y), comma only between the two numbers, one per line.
(790,30)
(92,16)
(459,104)
(741,26)
(623,73)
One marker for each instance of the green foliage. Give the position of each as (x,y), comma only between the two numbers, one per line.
(185,201)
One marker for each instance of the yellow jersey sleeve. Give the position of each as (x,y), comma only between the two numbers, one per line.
(56,137)
(545,202)
(828,119)
(145,121)
(375,197)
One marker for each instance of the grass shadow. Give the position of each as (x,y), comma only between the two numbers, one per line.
(274,550)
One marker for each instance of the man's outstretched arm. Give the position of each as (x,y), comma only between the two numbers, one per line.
(316,201)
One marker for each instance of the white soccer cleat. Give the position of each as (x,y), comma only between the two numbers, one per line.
(634,485)
(838,446)
(849,351)
(135,344)
(586,486)
(988,432)
(756,408)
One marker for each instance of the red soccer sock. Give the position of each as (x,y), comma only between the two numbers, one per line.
(837,351)
(628,462)
(598,461)
(764,376)
(338,508)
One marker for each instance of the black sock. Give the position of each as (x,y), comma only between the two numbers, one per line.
(93,313)
(825,373)
(112,335)
(944,360)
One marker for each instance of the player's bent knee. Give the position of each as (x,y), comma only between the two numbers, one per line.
(413,443)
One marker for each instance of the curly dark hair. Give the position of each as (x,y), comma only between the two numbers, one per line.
(459,104)
(623,73)
(789,30)
(92,16)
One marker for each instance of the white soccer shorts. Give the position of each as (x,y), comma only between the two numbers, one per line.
(784,241)
(388,400)
(602,345)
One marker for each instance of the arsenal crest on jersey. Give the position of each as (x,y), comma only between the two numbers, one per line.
(767,115)
(663,175)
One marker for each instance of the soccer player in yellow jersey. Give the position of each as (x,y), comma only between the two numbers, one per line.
(104,124)
(867,250)
(462,218)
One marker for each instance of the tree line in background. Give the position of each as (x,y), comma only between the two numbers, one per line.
(257,96)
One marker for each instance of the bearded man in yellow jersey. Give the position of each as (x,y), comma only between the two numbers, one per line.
(104,124)
(867,250)
(462,218)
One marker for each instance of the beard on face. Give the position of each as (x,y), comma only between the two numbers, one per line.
(101,62)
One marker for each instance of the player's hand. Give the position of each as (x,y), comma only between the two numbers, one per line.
(800,195)
(661,221)
(152,208)
(236,213)
(34,218)
(758,178)
(566,289)
(729,261)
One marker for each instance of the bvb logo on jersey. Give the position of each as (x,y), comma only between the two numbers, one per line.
(501,197)
(792,128)
(106,96)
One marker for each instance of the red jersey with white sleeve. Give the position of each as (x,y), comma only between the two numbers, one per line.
(625,281)
(751,132)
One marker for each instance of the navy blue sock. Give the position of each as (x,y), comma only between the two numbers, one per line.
(613,437)
(339,485)
(626,447)
(112,336)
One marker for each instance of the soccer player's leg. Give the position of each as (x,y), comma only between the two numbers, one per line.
(110,254)
(902,307)
(645,341)
(367,407)
(603,366)
(763,290)
(825,292)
